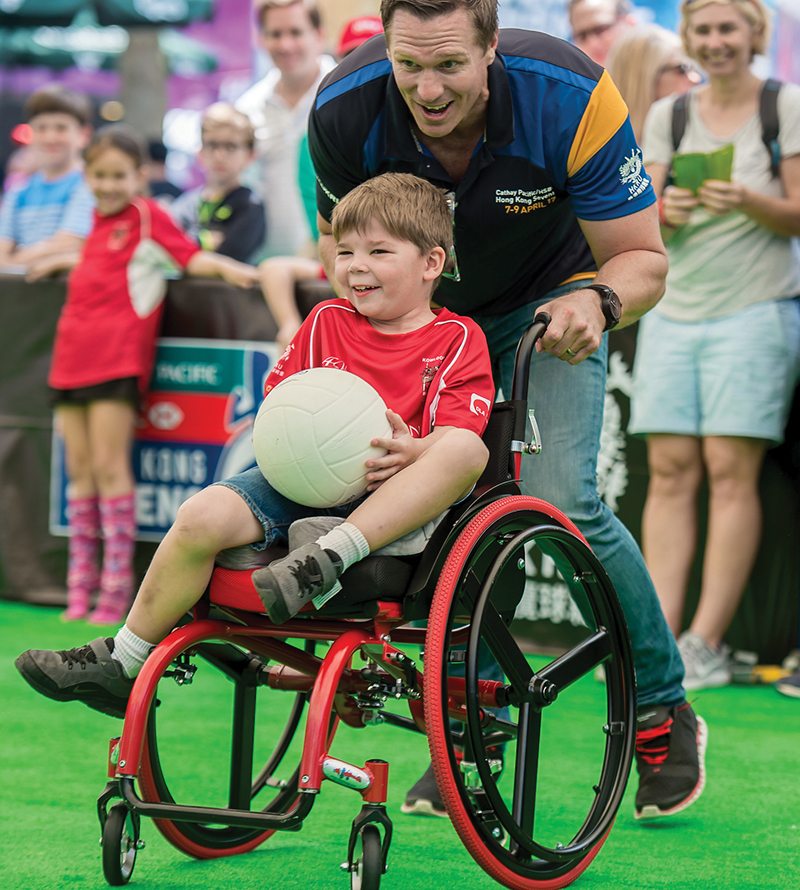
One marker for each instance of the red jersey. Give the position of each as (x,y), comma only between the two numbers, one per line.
(439,375)
(109,323)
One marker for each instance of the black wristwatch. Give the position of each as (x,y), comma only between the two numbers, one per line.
(609,303)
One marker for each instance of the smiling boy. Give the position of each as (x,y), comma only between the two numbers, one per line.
(431,366)
(50,212)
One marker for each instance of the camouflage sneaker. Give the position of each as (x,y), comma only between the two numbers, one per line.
(88,674)
(307,574)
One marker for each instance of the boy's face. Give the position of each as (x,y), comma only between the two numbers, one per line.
(224,154)
(58,139)
(384,277)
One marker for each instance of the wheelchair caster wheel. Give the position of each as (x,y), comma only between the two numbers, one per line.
(368,867)
(120,844)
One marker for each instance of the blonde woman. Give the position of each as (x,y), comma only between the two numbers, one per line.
(647,64)
(717,359)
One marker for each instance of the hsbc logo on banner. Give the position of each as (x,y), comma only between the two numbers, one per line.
(165,415)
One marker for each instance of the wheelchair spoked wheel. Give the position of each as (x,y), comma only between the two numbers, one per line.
(280,772)
(538,822)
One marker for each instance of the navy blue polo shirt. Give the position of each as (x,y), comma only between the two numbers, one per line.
(558,145)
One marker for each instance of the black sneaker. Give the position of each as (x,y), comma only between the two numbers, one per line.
(424,798)
(286,585)
(789,685)
(670,759)
(88,674)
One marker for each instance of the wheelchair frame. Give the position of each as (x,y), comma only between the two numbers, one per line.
(467,583)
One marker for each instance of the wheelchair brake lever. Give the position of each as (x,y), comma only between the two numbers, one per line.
(535,445)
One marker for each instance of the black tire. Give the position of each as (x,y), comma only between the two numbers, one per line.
(369,865)
(478,590)
(120,844)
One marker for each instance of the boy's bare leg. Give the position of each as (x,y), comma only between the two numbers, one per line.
(423,490)
(214,519)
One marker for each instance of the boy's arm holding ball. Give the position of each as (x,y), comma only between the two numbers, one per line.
(402,449)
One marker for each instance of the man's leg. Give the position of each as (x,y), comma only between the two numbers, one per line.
(568,401)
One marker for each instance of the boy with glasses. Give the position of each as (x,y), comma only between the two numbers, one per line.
(223,215)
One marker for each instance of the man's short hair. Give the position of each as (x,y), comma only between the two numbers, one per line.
(408,207)
(483,12)
(221,114)
(621,7)
(56,99)
(310,6)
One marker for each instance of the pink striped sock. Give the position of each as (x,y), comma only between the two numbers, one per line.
(83,575)
(118,521)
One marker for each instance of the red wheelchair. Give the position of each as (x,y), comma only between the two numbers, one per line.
(485,735)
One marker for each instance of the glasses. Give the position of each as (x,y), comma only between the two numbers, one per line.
(227,148)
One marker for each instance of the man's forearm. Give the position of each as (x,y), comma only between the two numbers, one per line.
(639,279)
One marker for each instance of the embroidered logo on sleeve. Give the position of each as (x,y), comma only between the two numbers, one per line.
(631,173)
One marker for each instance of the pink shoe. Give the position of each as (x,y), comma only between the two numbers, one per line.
(77,605)
(110,612)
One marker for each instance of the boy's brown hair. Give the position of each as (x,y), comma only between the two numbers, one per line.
(121,137)
(482,12)
(408,207)
(221,114)
(310,6)
(56,99)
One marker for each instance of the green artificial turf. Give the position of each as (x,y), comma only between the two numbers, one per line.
(743,833)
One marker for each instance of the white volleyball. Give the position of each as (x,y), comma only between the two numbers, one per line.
(312,436)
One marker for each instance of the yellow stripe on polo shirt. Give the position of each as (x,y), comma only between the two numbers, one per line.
(604,115)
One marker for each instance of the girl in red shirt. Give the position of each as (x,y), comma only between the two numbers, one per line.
(102,358)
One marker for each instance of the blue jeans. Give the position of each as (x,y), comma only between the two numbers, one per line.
(569,401)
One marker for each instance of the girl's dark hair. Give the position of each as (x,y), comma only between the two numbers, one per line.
(121,137)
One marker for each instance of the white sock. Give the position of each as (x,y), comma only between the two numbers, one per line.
(130,651)
(347,543)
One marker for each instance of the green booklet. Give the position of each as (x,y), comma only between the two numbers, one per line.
(690,171)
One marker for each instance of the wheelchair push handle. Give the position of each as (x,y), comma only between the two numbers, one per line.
(522,361)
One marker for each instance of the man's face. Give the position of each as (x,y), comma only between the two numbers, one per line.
(440,70)
(292,42)
(596,25)
(57,140)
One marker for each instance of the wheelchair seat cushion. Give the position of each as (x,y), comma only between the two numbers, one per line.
(374,578)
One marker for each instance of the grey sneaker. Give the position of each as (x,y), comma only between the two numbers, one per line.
(306,574)
(705,667)
(88,674)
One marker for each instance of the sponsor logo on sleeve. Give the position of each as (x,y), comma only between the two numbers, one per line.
(479,405)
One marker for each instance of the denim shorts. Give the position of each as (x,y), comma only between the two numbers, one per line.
(274,511)
(730,376)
